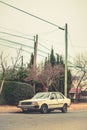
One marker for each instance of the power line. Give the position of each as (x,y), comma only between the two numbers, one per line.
(42,51)
(16,36)
(24,38)
(48,32)
(85,47)
(75,66)
(32,34)
(70,40)
(14,48)
(17,43)
(40,55)
(15,31)
(46,21)
(19,48)
(44,46)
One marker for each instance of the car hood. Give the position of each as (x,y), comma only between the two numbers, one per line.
(34,100)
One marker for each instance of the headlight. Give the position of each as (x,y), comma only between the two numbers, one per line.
(35,103)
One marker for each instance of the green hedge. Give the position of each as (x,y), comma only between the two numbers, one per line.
(13,92)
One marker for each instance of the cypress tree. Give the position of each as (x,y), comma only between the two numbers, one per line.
(52,58)
(57,59)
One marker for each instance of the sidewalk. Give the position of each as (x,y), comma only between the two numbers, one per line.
(73,107)
(7,108)
(78,106)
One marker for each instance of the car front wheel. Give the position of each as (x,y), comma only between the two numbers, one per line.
(25,110)
(64,109)
(44,109)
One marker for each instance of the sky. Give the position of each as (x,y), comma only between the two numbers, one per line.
(59,12)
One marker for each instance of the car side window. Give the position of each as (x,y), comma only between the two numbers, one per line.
(59,96)
(53,96)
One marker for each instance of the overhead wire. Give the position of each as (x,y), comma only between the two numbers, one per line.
(11,30)
(43,46)
(17,36)
(11,34)
(46,21)
(42,51)
(32,16)
(85,47)
(75,66)
(14,47)
(71,42)
(19,48)
(21,44)
(23,38)
(25,12)
(29,35)
(48,32)
(17,43)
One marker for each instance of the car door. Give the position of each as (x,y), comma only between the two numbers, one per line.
(60,99)
(53,102)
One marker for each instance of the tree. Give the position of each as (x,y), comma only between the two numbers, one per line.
(69,82)
(61,60)
(6,68)
(49,75)
(21,74)
(52,58)
(31,60)
(57,59)
(81,64)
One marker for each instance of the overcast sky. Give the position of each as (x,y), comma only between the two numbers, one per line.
(59,12)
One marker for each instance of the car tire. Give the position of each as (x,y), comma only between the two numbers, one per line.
(44,109)
(25,111)
(49,111)
(64,109)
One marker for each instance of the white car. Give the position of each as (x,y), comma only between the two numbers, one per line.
(46,102)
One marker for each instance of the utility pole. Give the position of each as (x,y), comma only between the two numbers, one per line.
(66,57)
(35,51)
(35,56)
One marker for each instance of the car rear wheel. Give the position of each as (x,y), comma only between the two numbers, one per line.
(44,109)
(64,109)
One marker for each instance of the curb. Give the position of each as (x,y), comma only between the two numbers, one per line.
(73,107)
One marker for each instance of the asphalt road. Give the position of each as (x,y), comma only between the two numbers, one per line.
(36,121)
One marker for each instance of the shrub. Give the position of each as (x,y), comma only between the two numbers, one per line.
(15,91)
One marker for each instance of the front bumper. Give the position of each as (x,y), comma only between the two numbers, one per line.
(26,107)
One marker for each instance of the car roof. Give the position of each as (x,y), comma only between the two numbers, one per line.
(49,92)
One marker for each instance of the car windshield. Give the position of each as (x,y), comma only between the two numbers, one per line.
(41,96)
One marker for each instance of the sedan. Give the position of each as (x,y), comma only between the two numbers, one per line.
(45,102)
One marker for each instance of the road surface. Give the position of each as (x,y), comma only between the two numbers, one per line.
(76,120)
